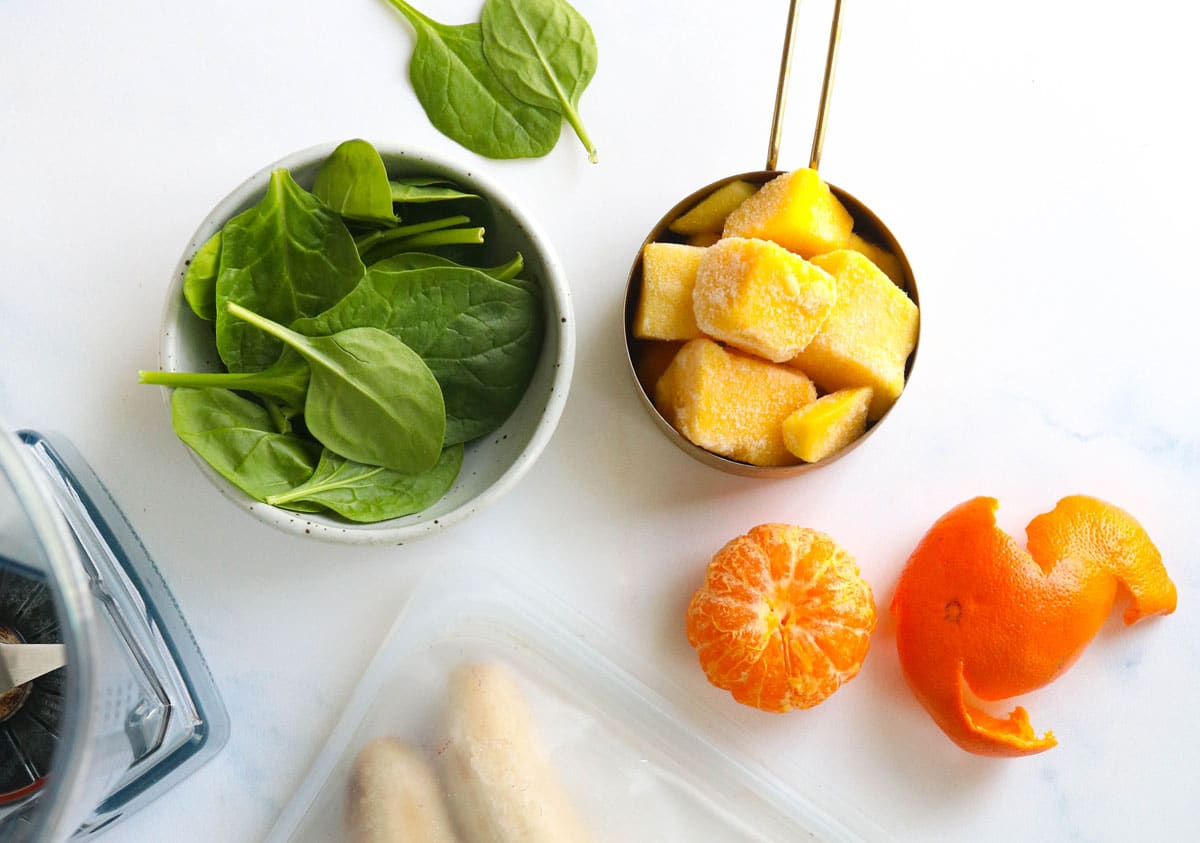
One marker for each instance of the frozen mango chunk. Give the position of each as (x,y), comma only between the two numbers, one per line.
(827,425)
(868,335)
(881,257)
(796,210)
(664,310)
(704,238)
(708,215)
(652,359)
(730,403)
(761,298)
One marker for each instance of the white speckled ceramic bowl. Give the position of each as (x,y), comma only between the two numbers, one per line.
(491,466)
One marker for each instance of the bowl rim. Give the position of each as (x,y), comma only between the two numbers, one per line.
(380,533)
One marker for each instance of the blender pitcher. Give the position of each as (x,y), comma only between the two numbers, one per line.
(134,710)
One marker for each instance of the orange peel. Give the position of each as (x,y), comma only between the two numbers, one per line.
(975,611)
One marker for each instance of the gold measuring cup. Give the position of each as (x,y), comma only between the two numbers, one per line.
(866,224)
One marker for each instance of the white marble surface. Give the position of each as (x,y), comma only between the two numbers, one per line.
(1038,161)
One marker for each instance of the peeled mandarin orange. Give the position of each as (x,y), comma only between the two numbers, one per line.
(975,611)
(783,618)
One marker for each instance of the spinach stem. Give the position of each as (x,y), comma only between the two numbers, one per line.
(568,110)
(577,124)
(278,416)
(366,242)
(508,271)
(412,14)
(281,387)
(196,379)
(444,237)
(296,341)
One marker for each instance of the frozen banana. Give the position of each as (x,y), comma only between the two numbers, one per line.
(394,797)
(501,786)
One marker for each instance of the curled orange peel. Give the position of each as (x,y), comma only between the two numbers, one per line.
(975,612)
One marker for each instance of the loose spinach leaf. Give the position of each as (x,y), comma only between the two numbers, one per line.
(463,98)
(354,182)
(370,397)
(200,280)
(420,190)
(287,257)
(480,336)
(544,53)
(285,380)
(238,439)
(367,493)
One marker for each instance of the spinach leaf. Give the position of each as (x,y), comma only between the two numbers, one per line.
(287,257)
(354,182)
(463,98)
(200,280)
(544,53)
(420,189)
(420,260)
(238,439)
(285,380)
(481,337)
(281,415)
(370,397)
(367,493)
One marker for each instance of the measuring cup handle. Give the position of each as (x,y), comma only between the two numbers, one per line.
(785,70)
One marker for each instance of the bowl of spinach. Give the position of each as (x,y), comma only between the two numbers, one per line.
(366,344)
